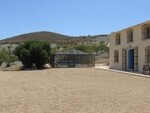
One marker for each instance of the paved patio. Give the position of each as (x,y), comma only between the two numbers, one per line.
(105,67)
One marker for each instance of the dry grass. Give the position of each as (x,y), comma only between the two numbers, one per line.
(73,91)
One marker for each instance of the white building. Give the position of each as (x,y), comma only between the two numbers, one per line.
(130,48)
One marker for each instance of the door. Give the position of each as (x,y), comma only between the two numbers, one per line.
(131,59)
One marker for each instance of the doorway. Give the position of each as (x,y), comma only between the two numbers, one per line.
(131,59)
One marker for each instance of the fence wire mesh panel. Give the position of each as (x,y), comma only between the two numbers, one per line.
(73,58)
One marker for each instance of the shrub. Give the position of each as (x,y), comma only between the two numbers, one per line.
(33,52)
(6,56)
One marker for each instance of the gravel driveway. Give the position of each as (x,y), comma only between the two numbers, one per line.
(71,90)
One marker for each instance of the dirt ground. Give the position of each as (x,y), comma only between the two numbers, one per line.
(70,90)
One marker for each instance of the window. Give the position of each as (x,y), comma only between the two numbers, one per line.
(116,56)
(146,31)
(129,36)
(147,55)
(118,41)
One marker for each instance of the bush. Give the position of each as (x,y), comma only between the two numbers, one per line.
(6,56)
(102,47)
(33,52)
(85,48)
(93,48)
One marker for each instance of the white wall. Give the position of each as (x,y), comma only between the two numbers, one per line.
(137,42)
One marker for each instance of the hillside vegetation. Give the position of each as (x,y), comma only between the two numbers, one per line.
(40,36)
(50,37)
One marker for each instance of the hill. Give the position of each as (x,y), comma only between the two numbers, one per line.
(54,38)
(41,36)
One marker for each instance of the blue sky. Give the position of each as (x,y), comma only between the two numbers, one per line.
(70,17)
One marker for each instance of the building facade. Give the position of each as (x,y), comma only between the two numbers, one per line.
(130,48)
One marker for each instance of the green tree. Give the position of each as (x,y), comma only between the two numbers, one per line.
(33,52)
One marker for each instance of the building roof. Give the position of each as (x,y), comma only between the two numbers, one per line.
(131,27)
(71,52)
